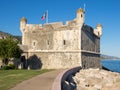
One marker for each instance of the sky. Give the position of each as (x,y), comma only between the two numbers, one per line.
(106,12)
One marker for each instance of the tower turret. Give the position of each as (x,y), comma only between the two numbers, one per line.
(98,30)
(23,23)
(80,16)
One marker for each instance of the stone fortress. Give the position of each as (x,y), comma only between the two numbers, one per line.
(56,45)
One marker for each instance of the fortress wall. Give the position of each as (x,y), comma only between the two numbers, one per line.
(55,44)
(97,44)
(91,45)
(62,44)
(66,40)
(57,60)
(71,23)
(52,40)
(53,25)
(89,41)
(32,27)
(90,60)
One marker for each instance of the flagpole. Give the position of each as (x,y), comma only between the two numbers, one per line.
(84,6)
(47,16)
(84,10)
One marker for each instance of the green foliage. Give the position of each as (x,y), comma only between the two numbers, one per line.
(8,67)
(5,67)
(12,66)
(9,48)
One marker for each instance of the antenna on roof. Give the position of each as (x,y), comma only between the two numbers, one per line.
(84,7)
(84,11)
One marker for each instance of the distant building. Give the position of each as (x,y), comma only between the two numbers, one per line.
(55,45)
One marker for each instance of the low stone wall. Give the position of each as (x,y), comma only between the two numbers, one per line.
(64,80)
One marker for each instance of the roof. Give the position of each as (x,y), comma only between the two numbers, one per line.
(99,25)
(23,19)
(80,10)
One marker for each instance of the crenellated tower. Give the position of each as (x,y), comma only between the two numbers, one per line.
(23,23)
(98,30)
(80,17)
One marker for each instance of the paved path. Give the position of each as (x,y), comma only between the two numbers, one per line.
(40,82)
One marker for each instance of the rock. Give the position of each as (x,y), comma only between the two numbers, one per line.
(98,86)
(110,88)
(80,88)
(96,79)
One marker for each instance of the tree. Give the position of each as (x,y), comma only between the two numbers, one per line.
(9,49)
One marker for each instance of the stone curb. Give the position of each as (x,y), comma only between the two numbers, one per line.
(57,82)
(57,85)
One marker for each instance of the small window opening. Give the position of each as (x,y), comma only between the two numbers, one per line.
(81,15)
(34,43)
(48,42)
(98,33)
(64,42)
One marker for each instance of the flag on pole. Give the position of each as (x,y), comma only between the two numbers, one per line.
(44,16)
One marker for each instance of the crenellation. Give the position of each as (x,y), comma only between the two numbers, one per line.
(48,27)
(33,27)
(55,24)
(71,23)
(98,30)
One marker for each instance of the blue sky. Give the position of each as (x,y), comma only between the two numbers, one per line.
(106,12)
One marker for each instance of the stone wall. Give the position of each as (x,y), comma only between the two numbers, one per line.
(55,46)
(56,60)
(52,39)
(89,41)
(90,46)
(90,60)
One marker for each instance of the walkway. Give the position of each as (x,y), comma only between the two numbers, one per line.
(40,82)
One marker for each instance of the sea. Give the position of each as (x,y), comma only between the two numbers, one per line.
(112,65)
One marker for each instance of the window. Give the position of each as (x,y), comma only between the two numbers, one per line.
(98,33)
(48,43)
(34,43)
(81,15)
(64,42)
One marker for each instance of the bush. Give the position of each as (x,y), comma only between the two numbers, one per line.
(8,67)
(12,66)
(5,67)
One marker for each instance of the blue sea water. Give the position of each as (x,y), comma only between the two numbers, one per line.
(113,65)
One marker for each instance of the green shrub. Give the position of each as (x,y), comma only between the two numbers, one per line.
(7,67)
(12,66)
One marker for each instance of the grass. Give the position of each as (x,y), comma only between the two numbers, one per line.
(9,78)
